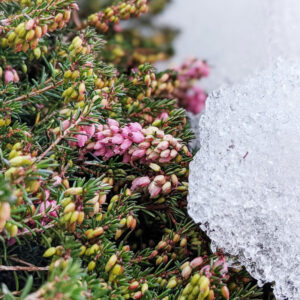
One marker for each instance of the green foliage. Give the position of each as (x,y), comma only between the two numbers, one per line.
(77,223)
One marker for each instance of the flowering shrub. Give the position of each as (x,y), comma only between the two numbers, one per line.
(94,166)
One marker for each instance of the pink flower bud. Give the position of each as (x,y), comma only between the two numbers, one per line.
(81,139)
(117,150)
(160,180)
(117,139)
(125,131)
(206,271)
(144,145)
(168,137)
(29,24)
(149,138)
(112,122)
(165,160)
(100,152)
(65,124)
(203,68)
(196,262)
(153,156)
(140,182)
(149,131)
(99,127)
(221,262)
(106,140)
(57,180)
(126,144)
(89,64)
(137,137)
(156,143)
(138,153)
(131,150)
(135,127)
(173,153)
(114,129)
(8,76)
(153,189)
(160,133)
(165,153)
(163,116)
(89,130)
(99,136)
(178,146)
(98,145)
(162,145)
(106,132)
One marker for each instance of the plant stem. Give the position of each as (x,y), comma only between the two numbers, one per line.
(22,268)
(37,92)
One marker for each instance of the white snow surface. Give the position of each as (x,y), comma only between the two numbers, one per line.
(236,37)
(244,185)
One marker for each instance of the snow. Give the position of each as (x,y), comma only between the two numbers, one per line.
(247,192)
(236,37)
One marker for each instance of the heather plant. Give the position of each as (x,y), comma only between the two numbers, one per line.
(94,165)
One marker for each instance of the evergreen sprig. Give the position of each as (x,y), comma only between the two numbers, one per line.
(94,166)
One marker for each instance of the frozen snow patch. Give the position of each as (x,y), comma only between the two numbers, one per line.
(245,179)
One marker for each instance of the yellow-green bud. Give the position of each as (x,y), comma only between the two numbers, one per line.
(69,208)
(111,262)
(187,290)
(50,252)
(37,52)
(20,161)
(91,265)
(172,283)
(74,191)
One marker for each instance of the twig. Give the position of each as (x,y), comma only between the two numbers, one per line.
(22,268)
(36,230)
(66,132)
(15,293)
(20,261)
(37,92)
(76,19)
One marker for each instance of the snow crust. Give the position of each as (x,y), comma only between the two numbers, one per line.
(245,179)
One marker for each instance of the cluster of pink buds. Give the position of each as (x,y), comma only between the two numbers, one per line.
(85,132)
(194,100)
(48,208)
(160,184)
(163,116)
(219,266)
(112,140)
(10,75)
(132,141)
(193,69)
(157,147)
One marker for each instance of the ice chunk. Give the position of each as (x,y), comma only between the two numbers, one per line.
(245,179)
